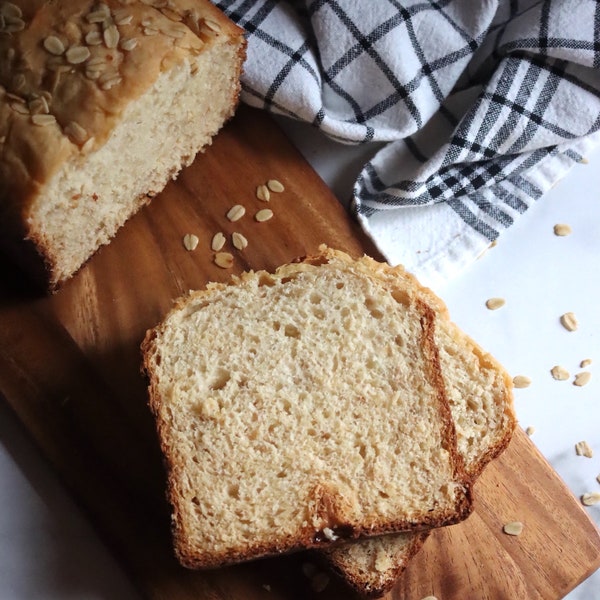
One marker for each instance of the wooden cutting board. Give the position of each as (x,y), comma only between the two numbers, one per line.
(69,368)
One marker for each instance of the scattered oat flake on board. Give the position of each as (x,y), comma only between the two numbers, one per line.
(235,213)
(569,321)
(513,528)
(562,229)
(582,378)
(218,241)
(521,381)
(190,241)
(429,598)
(263,215)
(262,193)
(530,430)
(559,373)
(239,241)
(224,260)
(586,362)
(495,303)
(584,449)
(590,498)
(275,186)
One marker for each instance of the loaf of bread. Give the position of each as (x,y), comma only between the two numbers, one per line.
(302,408)
(101,103)
(480,395)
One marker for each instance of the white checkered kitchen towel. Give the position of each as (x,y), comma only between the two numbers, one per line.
(482,106)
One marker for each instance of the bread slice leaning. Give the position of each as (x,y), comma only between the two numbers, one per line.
(301,408)
(481,402)
(101,104)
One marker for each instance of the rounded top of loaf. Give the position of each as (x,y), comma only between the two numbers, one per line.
(68,70)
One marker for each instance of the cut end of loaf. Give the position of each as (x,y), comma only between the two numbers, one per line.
(100,105)
(161,132)
(299,408)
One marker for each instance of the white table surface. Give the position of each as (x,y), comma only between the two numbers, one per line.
(49,551)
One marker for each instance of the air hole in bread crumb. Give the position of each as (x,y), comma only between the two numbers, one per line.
(234,491)
(291,331)
(220,380)
(319,313)
(339,285)
(399,341)
(315,298)
(373,308)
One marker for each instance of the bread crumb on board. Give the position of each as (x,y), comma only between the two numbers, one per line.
(513,528)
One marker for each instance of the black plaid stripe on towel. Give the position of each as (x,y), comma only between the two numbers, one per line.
(481,107)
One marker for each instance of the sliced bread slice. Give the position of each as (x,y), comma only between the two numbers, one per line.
(481,402)
(300,408)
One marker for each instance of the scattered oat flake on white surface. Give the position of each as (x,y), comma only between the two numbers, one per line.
(598,478)
(190,241)
(521,381)
(590,498)
(495,303)
(569,321)
(513,528)
(584,449)
(530,430)
(586,362)
(559,373)
(582,378)
(562,229)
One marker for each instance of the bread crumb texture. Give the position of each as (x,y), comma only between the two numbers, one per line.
(301,407)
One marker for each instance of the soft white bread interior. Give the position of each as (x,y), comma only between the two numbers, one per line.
(300,408)
(481,401)
(100,105)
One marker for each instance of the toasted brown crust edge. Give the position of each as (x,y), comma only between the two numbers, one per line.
(190,558)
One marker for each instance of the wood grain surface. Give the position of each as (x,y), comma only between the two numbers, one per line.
(70,370)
